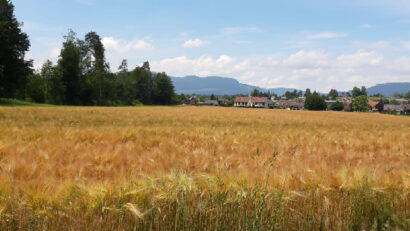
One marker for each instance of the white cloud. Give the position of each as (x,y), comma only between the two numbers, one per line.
(314,69)
(326,35)
(122,46)
(307,59)
(360,59)
(406,45)
(194,43)
(379,44)
(367,26)
(118,49)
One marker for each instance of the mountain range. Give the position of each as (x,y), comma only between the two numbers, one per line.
(218,86)
(228,86)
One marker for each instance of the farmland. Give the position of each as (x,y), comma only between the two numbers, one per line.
(207,168)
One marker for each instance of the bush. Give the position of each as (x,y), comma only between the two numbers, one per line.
(337,106)
(315,102)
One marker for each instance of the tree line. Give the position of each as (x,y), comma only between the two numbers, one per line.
(81,75)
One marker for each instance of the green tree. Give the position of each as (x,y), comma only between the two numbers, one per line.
(337,106)
(146,66)
(14,44)
(356,92)
(333,94)
(213,97)
(360,103)
(363,91)
(96,48)
(35,88)
(407,95)
(123,68)
(54,88)
(255,93)
(307,92)
(291,94)
(163,89)
(125,88)
(143,84)
(69,66)
(378,95)
(386,101)
(315,102)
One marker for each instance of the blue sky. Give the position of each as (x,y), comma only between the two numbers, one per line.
(317,44)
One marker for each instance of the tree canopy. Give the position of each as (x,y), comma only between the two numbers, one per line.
(82,77)
(359,91)
(360,103)
(315,102)
(14,44)
(333,94)
(337,106)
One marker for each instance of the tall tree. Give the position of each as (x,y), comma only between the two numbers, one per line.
(255,93)
(308,92)
(163,89)
(360,103)
(146,66)
(363,91)
(143,82)
(356,92)
(54,88)
(96,48)
(123,68)
(13,46)
(69,66)
(333,94)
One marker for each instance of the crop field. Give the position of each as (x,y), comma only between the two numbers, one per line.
(202,168)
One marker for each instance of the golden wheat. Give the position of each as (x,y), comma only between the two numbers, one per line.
(85,167)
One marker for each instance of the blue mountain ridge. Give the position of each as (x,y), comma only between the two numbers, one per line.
(228,86)
(218,86)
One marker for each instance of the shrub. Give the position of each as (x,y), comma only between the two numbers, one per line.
(337,106)
(315,102)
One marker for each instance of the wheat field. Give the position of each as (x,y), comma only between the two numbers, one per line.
(202,168)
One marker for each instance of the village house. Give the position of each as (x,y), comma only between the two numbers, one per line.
(291,105)
(343,98)
(192,100)
(406,108)
(391,108)
(329,103)
(402,101)
(209,102)
(249,101)
(223,101)
(375,106)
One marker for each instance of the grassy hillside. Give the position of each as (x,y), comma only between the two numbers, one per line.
(202,168)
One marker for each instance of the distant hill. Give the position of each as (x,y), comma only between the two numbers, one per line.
(218,86)
(388,89)
(228,86)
